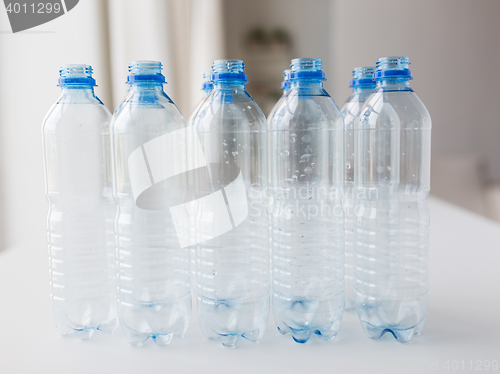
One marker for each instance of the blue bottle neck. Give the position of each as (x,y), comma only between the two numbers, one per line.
(77,88)
(229,84)
(78,94)
(309,86)
(363,90)
(394,84)
(146,86)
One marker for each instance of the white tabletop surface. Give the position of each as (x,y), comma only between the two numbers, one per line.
(462,330)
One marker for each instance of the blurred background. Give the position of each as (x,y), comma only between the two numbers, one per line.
(453,45)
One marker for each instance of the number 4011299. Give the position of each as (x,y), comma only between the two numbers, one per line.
(33,8)
(472,365)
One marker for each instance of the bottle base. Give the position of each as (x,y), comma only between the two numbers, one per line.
(138,339)
(402,335)
(230,320)
(66,327)
(303,335)
(161,339)
(161,321)
(305,318)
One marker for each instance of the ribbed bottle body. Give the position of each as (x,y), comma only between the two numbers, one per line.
(232,256)
(349,112)
(153,275)
(392,178)
(79,222)
(307,221)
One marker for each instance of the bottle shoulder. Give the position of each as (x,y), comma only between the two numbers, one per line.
(229,111)
(393,110)
(305,111)
(350,109)
(151,112)
(76,116)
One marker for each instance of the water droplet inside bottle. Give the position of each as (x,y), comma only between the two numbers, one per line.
(306,138)
(348,165)
(308,170)
(404,108)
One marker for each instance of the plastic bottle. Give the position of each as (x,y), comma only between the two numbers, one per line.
(392,168)
(285,86)
(207,88)
(149,178)
(75,135)
(307,179)
(362,84)
(232,225)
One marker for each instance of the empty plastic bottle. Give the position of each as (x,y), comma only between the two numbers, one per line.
(307,179)
(362,84)
(75,135)
(391,231)
(285,86)
(230,206)
(207,88)
(149,178)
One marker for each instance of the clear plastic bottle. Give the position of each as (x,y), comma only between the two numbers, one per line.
(307,179)
(149,178)
(207,88)
(392,181)
(232,225)
(285,86)
(75,135)
(362,84)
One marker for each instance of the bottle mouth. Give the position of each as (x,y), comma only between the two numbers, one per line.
(76,74)
(286,75)
(393,67)
(363,76)
(207,81)
(228,69)
(306,68)
(145,71)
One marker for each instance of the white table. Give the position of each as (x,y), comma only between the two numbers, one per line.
(463,323)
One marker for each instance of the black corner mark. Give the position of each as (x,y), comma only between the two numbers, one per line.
(26,14)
